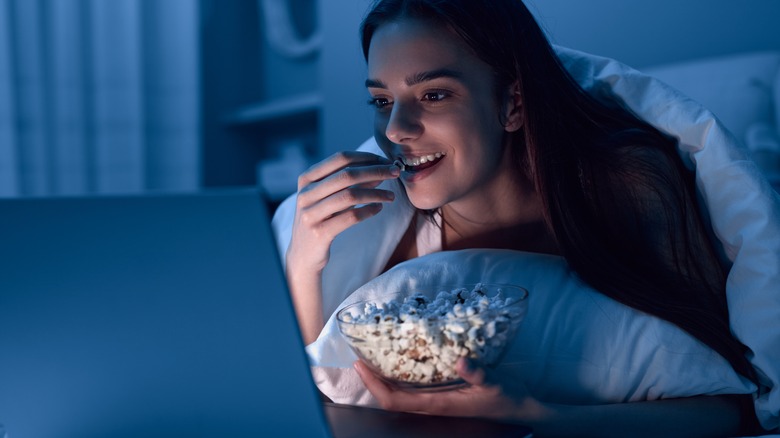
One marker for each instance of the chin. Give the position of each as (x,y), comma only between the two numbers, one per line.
(424,203)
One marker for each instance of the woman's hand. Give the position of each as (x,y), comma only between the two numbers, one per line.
(483,397)
(333,195)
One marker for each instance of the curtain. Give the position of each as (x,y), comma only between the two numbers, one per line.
(99,96)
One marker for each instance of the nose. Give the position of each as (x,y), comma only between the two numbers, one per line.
(404,123)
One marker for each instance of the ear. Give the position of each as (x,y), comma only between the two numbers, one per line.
(513,109)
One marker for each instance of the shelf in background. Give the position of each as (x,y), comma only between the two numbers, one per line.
(276,110)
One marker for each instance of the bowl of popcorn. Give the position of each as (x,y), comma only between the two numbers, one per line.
(414,341)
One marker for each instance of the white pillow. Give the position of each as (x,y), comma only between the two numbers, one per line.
(575,345)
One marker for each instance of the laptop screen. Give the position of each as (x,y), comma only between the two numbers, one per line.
(161,315)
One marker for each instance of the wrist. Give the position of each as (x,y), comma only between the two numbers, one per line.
(306,295)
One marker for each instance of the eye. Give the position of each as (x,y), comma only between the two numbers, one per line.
(379,102)
(435,96)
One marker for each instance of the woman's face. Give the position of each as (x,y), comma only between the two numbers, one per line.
(436,110)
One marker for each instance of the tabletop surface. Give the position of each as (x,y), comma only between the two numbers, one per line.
(351,421)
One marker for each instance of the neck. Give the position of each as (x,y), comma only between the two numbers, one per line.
(511,220)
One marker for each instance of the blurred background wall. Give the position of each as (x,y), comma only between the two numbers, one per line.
(643,33)
(107,96)
(98,96)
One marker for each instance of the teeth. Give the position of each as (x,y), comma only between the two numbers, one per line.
(416,161)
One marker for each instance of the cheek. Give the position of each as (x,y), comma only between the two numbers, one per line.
(482,149)
(380,126)
(386,147)
(384,143)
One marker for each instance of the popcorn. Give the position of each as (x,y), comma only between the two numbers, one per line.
(419,340)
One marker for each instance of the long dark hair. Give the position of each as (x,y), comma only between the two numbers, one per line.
(605,177)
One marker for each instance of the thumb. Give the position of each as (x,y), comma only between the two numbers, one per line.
(470,371)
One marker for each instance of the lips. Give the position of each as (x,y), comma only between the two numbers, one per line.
(422,162)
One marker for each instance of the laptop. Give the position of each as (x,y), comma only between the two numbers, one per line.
(163,315)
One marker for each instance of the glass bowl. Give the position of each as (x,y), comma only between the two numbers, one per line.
(413,341)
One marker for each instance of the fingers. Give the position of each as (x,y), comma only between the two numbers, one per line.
(470,371)
(479,399)
(330,216)
(339,192)
(347,198)
(344,179)
(331,226)
(338,200)
(374,385)
(333,195)
(389,398)
(339,161)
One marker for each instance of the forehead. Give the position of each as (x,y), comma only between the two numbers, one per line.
(411,46)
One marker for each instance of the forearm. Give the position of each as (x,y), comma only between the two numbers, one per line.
(306,293)
(706,416)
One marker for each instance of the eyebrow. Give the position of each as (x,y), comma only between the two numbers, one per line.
(419,78)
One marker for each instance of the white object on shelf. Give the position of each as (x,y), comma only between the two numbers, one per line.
(280,30)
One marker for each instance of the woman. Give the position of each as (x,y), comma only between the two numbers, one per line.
(497,147)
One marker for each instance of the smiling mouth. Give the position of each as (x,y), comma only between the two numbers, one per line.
(416,164)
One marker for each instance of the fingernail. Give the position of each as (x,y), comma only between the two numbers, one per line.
(390,195)
(395,170)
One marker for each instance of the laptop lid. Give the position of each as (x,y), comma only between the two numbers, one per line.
(160,315)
